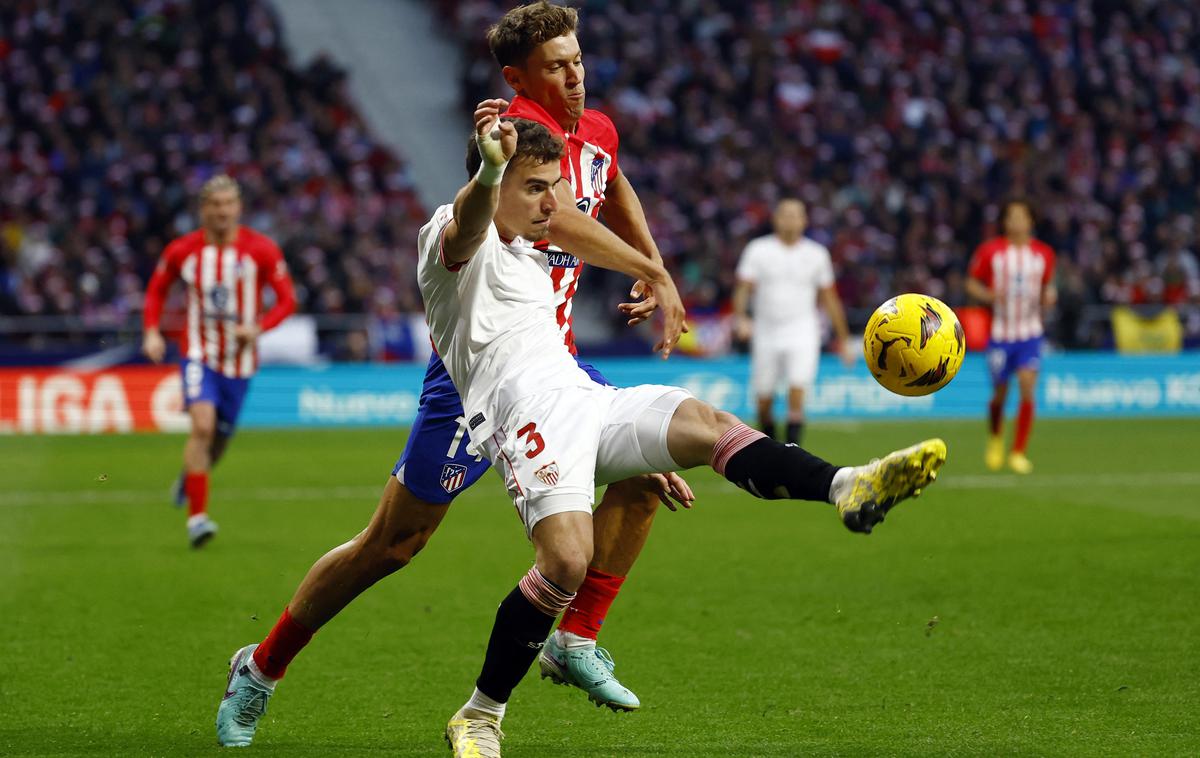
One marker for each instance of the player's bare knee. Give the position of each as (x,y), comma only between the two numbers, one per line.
(566,567)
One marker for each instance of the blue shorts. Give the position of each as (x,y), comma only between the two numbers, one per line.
(203,385)
(435,465)
(1006,358)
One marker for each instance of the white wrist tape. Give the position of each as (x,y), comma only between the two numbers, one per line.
(489,175)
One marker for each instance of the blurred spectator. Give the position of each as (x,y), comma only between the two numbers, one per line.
(113,112)
(903,125)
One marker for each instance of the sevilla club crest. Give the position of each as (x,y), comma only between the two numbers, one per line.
(548,474)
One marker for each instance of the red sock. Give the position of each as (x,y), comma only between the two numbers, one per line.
(195,486)
(592,600)
(285,641)
(1024,425)
(996,417)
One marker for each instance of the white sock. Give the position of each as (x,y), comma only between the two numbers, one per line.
(841,480)
(572,641)
(198,518)
(257,674)
(481,703)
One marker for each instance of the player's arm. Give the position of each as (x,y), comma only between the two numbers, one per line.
(279,282)
(979,278)
(595,244)
(742,324)
(167,271)
(1049,291)
(475,204)
(623,213)
(837,316)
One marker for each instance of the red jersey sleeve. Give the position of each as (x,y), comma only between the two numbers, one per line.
(166,272)
(1048,256)
(273,273)
(981,263)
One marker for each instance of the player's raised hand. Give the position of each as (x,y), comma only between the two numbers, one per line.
(497,139)
(154,346)
(639,311)
(674,315)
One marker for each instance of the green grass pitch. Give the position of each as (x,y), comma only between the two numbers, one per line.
(1056,614)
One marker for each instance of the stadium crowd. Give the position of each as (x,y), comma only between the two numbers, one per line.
(112,114)
(904,125)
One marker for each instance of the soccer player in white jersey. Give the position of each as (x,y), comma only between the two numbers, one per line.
(225,267)
(1014,276)
(552,432)
(784,275)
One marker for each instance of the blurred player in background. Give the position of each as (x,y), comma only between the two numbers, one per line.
(224,267)
(537,47)
(785,274)
(1013,275)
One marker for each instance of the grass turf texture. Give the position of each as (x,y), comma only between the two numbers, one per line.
(1054,614)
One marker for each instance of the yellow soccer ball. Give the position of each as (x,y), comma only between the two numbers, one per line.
(914,344)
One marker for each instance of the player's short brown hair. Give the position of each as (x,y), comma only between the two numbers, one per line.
(535,143)
(219,183)
(524,28)
(1008,206)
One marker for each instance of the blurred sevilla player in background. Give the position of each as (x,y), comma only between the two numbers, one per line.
(1013,275)
(224,267)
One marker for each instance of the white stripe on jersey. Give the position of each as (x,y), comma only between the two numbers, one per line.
(208,282)
(249,311)
(1017,278)
(228,317)
(190,276)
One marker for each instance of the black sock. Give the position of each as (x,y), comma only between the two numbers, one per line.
(795,432)
(766,426)
(773,471)
(517,636)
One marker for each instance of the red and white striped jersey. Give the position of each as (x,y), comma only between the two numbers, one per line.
(590,162)
(224,289)
(1017,275)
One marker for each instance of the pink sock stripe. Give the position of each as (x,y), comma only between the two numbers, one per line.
(547,598)
(731,443)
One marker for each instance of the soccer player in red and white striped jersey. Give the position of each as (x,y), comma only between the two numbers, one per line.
(224,267)
(1013,275)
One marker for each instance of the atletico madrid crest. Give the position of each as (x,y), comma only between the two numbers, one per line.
(453,476)
(548,474)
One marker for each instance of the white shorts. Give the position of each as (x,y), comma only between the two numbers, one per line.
(790,363)
(555,447)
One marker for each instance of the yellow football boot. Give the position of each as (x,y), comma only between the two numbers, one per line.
(1019,463)
(878,486)
(994,455)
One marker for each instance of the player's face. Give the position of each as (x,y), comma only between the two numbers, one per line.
(527,199)
(1017,221)
(790,219)
(220,211)
(553,78)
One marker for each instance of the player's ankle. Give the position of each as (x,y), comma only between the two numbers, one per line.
(572,641)
(841,480)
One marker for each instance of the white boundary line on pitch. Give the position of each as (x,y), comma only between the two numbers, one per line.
(370,494)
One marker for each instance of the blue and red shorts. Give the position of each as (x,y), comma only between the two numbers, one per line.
(435,465)
(203,385)
(1006,358)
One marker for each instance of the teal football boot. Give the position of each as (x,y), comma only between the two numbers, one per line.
(245,702)
(591,670)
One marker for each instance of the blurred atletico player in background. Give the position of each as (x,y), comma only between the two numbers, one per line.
(1013,275)
(224,267)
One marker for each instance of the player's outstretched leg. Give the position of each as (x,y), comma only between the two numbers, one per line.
(246,694)
(770,470)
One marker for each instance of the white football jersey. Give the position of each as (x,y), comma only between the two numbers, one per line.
(492,321)
(786,280)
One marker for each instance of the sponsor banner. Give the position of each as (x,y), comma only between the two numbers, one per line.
(55,401)
(149,398)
